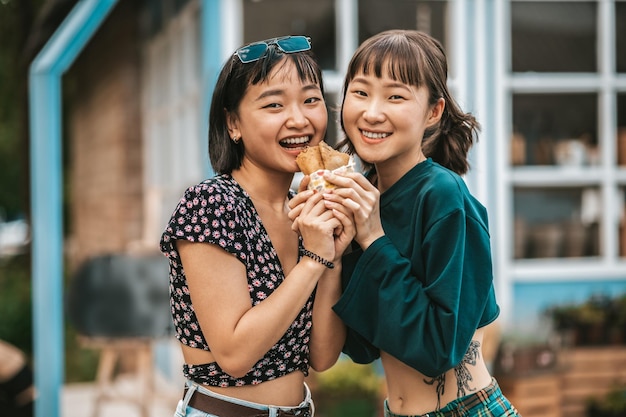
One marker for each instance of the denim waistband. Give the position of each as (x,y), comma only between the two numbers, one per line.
(490,399)
(304,409)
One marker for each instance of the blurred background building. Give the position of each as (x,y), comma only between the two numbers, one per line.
(546,79)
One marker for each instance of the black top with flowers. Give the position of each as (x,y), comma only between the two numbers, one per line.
(220,212)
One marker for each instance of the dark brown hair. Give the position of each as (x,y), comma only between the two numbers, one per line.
(232,83)
(417,59)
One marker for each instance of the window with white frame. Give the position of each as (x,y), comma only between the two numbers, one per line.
(171,106)
(567,147)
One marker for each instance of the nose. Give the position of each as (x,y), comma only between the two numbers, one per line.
(373,112)
(297,118)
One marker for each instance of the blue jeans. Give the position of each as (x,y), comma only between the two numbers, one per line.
(184,410)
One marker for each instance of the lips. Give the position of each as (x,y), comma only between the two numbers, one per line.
(296,142)
(374,135)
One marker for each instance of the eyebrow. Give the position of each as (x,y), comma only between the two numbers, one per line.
(393,84)
(280,92)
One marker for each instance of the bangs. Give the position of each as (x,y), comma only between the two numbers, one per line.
(306,67)
(394,57)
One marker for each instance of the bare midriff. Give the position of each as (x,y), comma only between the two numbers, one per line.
(410,392)
(286,391)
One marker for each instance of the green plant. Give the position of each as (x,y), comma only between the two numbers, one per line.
(613,404)
(599,320)
(15,302)
(348,389)
(348,379)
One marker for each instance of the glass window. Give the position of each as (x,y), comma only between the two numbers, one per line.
(554,129)
(620,36)
(621,129)
(428,16)
(333,133)
(621,200)
(566,225)
(270,18)
(553,36)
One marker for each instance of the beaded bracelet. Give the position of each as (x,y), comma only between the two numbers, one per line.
(316,257)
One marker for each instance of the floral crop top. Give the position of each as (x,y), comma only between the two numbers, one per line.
(220,212)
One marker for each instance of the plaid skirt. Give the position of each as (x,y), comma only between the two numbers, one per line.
(488,402)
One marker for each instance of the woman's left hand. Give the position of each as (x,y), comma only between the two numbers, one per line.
(360,200)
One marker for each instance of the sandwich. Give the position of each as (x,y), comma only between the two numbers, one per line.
(315,160)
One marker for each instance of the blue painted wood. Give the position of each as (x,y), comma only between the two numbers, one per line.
(46,195)
(211,64)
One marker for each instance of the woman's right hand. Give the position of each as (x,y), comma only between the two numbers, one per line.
(343,233)
(315,223)
(362,200)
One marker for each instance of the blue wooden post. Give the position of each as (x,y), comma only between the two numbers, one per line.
(211,64)
(46,196)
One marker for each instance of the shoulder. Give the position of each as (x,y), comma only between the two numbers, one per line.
(448,192)
(221,192)
(443,189)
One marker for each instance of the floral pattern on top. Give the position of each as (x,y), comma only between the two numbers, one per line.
(220,212)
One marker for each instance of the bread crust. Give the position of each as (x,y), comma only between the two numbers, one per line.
(320,157)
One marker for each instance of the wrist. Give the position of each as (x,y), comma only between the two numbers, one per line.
(367,242)
(312,255)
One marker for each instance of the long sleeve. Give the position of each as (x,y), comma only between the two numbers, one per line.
(420,292)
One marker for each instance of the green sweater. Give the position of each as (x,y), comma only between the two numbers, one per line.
(420,292)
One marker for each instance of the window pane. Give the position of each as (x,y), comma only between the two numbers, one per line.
(621,129)
(554,129)
(428,16)
(566,226)
(333,135)
(621,200)
(270,18)
(620,36)
(553,36)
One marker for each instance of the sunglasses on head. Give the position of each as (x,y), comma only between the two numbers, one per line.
(286,44)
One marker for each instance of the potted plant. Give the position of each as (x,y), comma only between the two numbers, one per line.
(348,390)
(600,320)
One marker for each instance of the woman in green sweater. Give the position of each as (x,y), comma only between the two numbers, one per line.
(418,284)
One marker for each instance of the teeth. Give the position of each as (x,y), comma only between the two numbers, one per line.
(296,141)
(374,135)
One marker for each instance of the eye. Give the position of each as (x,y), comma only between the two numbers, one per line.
(272,106)
(396,97)
(311,100)
(359,93)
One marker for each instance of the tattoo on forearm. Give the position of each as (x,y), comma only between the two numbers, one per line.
(462,373)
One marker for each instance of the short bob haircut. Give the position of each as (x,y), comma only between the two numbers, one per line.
(233,81)
(415,58)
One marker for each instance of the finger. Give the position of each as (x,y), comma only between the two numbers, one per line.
(295,226)
(300,198)
(304,183)
(333,205)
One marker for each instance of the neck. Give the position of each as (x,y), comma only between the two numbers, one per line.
(389,173)
(264,187)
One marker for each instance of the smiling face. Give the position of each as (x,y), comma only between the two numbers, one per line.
(385,120)
(278,118)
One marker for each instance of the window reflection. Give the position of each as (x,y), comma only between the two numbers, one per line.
(566,226)
(553,36)
(620,36)
(621,199)
(621,129)
(270,18)
(554,129)
(428,16)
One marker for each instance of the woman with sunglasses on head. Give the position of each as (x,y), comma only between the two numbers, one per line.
(242,282)
(420,284)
